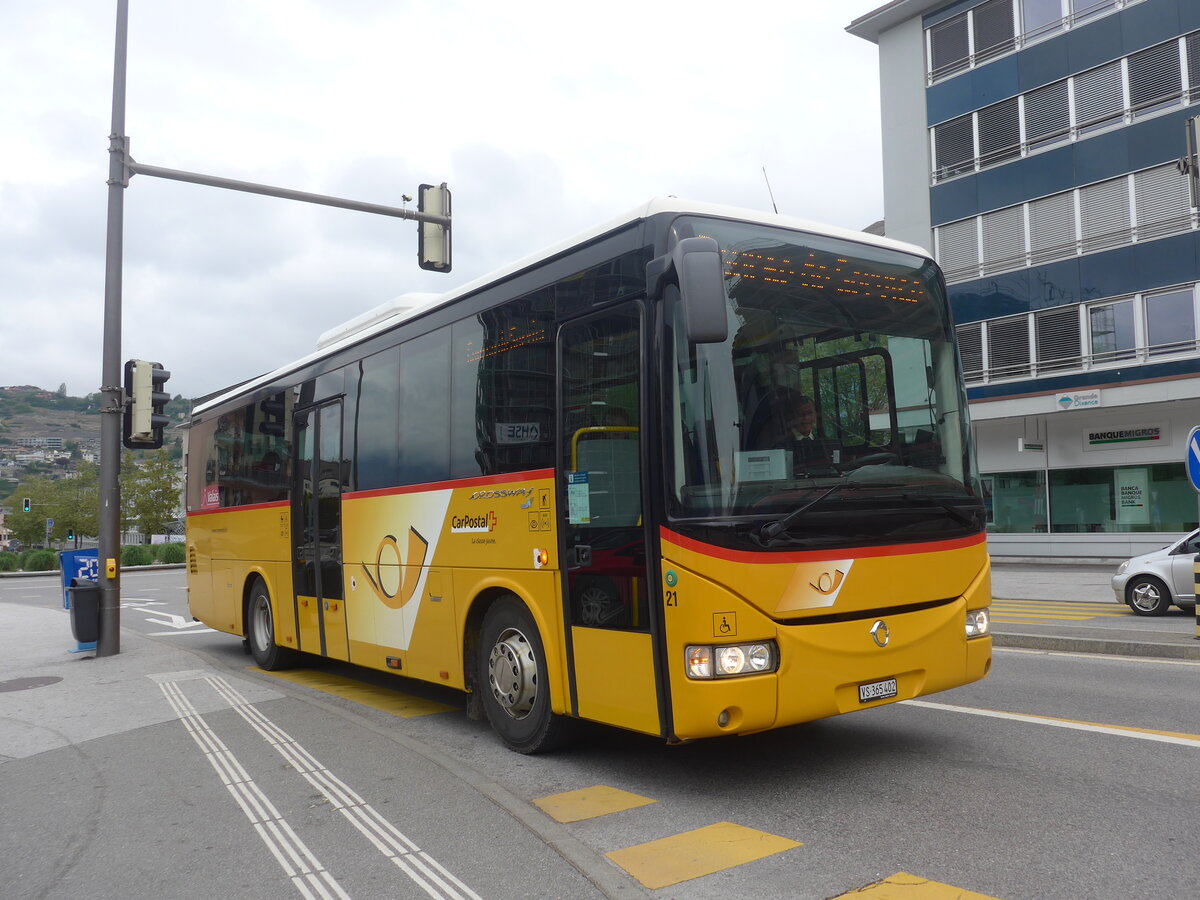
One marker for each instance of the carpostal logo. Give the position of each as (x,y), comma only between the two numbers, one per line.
(473,524)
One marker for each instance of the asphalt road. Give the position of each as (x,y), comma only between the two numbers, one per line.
(1061,775)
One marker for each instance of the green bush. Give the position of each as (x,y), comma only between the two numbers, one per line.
(171,553)
(8,562)
(39,560)
(136,555)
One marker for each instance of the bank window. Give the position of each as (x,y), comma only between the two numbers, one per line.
(1018,502)
(1170,322)
(1115,499)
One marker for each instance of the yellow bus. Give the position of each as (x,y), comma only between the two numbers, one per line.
(575,489)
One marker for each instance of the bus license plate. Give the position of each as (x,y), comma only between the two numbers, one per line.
(877,690)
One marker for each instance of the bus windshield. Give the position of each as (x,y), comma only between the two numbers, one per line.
(834,409)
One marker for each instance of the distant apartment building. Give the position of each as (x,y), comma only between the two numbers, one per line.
(48,443)
(1033,146)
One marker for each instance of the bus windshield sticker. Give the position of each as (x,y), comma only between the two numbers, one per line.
(761,465)
(579,506)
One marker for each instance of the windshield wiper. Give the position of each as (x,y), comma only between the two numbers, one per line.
(772,530)
(949,507)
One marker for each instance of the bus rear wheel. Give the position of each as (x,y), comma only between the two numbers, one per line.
(260,631)
(512,680)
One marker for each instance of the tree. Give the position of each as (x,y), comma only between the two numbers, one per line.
(75,503)
(30,527)
(154,496)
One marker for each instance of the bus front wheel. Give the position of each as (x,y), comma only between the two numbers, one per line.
(260,631)
(512,680)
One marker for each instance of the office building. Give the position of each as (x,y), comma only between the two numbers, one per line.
(1034,146)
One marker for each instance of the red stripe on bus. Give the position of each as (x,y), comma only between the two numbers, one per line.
(205,512)
(799,556)
(478,481)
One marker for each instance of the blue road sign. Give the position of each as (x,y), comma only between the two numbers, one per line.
(1192,461)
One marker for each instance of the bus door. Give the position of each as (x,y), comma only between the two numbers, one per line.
(317,531)
(609,640)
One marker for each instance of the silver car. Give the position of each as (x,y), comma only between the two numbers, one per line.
(1150,583)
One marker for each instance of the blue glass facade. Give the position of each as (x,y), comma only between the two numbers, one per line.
(1153,141)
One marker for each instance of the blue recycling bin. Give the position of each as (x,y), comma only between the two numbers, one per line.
(81,595)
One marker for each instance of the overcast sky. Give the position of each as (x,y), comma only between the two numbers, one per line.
(544,119)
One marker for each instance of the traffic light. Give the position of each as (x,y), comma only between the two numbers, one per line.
(433,240)
(26,505)
(273,409)
(145,415)
(70,534)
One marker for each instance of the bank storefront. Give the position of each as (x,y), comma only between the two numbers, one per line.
(1098,473)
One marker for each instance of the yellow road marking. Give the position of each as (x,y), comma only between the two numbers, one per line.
(903,886)
(589,803)
(383,699)
(714,848)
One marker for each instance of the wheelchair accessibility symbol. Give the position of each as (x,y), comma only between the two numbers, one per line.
(725,624)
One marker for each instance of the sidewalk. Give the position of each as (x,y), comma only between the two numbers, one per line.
(1065,581)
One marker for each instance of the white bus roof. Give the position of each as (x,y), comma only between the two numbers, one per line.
(404,307)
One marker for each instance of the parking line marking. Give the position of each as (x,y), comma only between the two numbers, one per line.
(903,886)
(682,857)
(383,699)
(1145,734)
(589,803)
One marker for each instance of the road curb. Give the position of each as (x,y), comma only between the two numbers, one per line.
(1151,649)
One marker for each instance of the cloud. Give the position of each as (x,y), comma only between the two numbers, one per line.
(542,123)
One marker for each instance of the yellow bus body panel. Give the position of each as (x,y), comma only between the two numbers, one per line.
(228,548)
(823,656)
(614,671)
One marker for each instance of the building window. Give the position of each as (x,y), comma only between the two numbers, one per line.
(1121,499)
(970,349)
(1105,221)
(949,46)
(1144,83)
(1018,502)
(954,147)
(1056,332)
(1112,331)
(1155,79)
(993,28)
(1008,347)
(1039,17)
(999,132)
(1170,322)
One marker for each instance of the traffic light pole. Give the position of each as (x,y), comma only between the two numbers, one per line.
(112,406)
(433,253)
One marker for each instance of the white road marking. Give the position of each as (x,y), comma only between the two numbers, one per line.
(197,630)
(1100,657)
(294,858)
(434,878)
(1116,730)
(297,861)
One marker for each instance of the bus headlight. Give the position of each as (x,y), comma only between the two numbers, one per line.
(731,660)
(978,622)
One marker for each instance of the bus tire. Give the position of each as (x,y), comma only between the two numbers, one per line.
(512,680)
(260,631)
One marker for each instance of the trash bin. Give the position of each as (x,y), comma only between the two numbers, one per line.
(85,610)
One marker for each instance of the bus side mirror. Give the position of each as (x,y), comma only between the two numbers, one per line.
(697,266)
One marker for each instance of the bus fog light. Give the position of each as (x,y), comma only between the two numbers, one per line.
(699,662)
(978,622)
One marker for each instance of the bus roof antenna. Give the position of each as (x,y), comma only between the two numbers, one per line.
(770,192)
